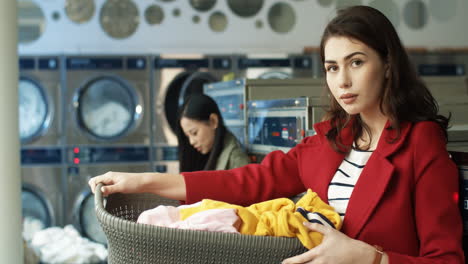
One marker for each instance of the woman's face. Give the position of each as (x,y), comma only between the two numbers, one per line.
(200,134)
(355,74)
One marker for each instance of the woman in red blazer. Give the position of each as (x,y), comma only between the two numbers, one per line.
(403,207)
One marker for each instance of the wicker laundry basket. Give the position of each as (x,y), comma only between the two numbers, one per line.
(129,242)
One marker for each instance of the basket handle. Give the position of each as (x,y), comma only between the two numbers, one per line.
(98,200)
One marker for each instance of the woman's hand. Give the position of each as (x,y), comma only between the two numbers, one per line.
(167,185)
(118,182)
(336,248)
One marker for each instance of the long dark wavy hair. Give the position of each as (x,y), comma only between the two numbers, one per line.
(199,107)
(404,98)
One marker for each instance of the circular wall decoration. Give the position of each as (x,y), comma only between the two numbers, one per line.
(80,11)
(325,3)
(245,8)
(176,12)
(218,21)
(389,8)
(281,17)
(340,4)
(154,15)
(415,14)
(202,5)
(31,21)
(196,19)
(258,24)
(119,18)
(55,16)
(443,10)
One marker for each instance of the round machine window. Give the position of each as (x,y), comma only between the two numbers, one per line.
(89,223)
(275,75)
(35,211)
(33,110)
(182,86)
(106,108)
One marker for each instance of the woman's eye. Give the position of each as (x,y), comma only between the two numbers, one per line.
(357,62)
(332,68)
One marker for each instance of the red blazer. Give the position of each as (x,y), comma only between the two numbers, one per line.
(405,199)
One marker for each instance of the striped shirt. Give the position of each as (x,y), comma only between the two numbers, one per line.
(342,184)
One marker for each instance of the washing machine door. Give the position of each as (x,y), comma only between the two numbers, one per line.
(275,75)
(88,222)
(107,108)
(36,210)
(34,110)
(183,85)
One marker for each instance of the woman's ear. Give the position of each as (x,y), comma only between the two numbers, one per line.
(214,120)
(387,71)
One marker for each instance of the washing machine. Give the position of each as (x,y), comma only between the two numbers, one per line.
(40,129)
(40,98)
(42,189)
(176,77)
(108,99)
(278,66)
(459,153)
(89,161)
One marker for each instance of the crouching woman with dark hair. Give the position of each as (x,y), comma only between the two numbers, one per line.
(204,141)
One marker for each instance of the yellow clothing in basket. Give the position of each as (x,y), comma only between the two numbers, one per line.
(276,217)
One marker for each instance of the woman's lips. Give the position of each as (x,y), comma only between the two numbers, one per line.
(348,98)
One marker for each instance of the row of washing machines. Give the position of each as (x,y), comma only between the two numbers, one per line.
(81,116)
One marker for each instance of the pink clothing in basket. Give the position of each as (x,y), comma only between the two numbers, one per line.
(220,220)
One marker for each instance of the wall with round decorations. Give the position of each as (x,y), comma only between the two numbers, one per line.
(218,26)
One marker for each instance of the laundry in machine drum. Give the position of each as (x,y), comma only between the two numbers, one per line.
(37,211)
(39,101)
(42,189)
(108,99)
(34,110)
(106,108)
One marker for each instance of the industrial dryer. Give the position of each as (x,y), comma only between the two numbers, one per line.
(176,77)
(108,99)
